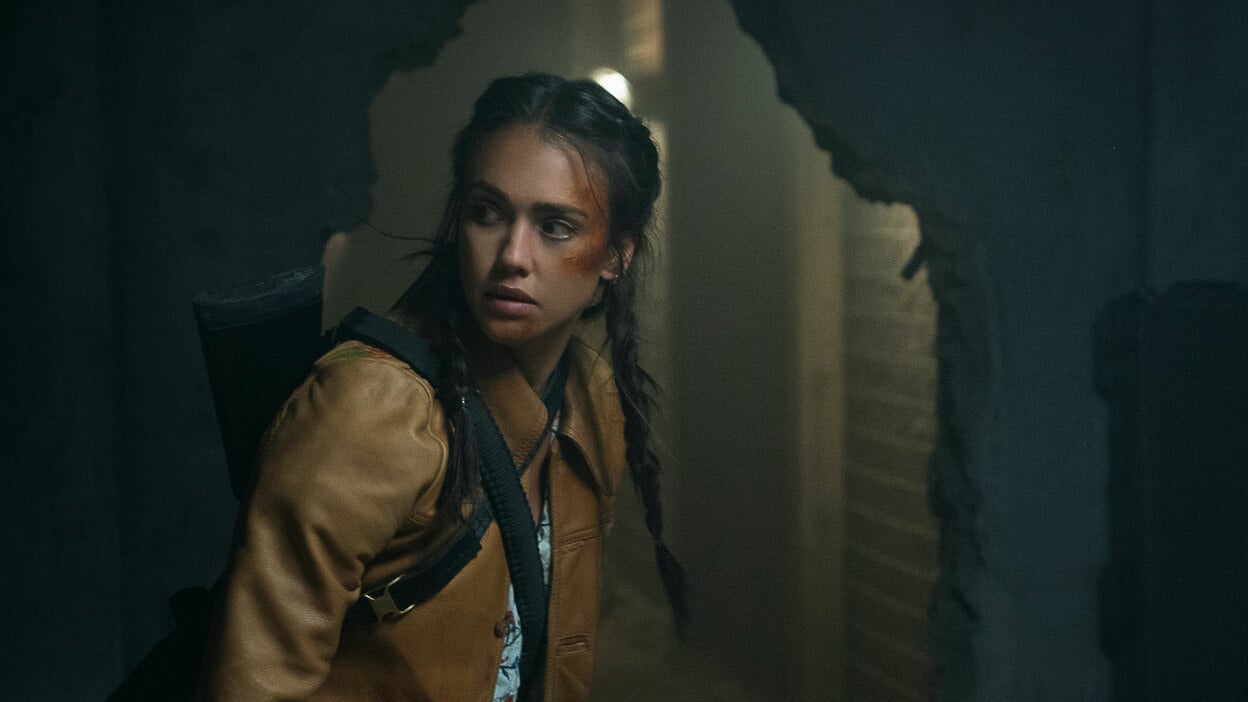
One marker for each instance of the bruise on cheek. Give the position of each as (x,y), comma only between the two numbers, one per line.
(589,258)
(592,251)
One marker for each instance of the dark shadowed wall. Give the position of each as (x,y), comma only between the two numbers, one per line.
(1057,154)
(59,385)
(151,150)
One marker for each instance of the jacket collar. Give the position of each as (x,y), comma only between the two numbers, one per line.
(591,419)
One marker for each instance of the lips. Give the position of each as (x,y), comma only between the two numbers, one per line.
(499,291)
(508,301)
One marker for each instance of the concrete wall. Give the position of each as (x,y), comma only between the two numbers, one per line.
(734,328)
(151,150)
(1057,155)
(1197,110)
(58,387)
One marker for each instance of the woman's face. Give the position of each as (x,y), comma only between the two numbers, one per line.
(533,244)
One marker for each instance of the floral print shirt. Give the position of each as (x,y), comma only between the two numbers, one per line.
(507,687)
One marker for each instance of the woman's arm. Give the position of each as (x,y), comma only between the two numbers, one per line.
(357,447)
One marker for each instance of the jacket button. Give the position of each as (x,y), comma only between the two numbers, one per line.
(501,626)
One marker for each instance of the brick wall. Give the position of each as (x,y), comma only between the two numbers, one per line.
(890,430)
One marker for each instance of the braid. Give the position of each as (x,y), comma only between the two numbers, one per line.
(635,387)
(435,301)
(463,462)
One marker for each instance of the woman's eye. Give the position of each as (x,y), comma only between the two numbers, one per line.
(484,215)
(557,229)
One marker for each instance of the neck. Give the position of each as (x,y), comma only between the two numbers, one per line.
(537,358)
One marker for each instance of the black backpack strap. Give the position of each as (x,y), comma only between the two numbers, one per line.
(414,587)
(408,589)
(502,486)
(401,342)
(505,500)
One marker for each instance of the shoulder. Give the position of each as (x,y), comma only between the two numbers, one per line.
(361,357)
(363,395)
(355,373)
(362,417)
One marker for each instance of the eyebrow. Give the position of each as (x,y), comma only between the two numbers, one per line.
(542,207)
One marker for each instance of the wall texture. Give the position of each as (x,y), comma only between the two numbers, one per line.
(890,426)
(58,387)
(1015,149)
(151,150)
(1057,155)
(733,316)
(1197,110)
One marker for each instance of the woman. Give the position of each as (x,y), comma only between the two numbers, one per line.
(370,471)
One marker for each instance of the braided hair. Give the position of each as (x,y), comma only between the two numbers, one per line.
(582,115)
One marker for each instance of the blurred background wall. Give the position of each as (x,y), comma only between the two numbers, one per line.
(817,400)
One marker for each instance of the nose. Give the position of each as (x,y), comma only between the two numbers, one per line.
(516,253)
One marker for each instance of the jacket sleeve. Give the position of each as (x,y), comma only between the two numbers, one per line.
(356,448)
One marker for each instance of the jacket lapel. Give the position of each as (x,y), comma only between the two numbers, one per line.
(592,419)
(518,411)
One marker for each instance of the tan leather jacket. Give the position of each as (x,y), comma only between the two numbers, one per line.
(343,499)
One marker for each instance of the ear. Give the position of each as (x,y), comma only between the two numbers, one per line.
(619,262)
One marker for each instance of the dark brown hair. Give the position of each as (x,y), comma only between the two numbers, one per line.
(587,118)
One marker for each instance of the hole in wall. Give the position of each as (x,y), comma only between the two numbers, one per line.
(774,273)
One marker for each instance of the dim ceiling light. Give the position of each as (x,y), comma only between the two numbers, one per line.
(615,83)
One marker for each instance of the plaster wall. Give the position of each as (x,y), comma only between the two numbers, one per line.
(151,150)
(734,334)
(58,386)
(1198,109)
(1022,133)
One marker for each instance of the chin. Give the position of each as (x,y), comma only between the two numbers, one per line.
(507,332)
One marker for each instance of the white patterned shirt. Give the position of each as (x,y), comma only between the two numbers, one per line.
(507,687)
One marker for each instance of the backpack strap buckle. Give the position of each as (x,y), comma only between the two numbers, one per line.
(383,603)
